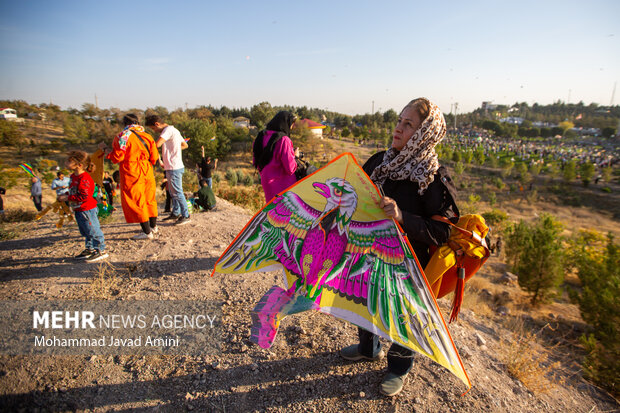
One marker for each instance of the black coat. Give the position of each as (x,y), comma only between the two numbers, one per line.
(438,199)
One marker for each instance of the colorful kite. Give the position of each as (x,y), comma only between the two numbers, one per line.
(63,211)
(27,168)
(342,256)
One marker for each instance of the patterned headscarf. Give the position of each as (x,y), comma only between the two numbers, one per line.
(417,161)
(123,137)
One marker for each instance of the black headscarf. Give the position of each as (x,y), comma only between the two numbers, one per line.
(281,126)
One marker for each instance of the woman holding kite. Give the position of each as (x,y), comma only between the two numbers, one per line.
(416,187)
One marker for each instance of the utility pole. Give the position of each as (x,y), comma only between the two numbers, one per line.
(456,106)
(613,95)
(96,103)
(373,107)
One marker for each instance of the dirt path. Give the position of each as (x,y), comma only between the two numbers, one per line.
(301,372)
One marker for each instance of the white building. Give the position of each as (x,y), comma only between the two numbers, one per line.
(8,113)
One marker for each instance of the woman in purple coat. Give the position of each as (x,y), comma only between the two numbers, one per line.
(274,156)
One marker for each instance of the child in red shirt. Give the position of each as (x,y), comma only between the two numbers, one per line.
(84,205)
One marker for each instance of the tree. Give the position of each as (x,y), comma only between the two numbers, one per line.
(516,242)
(565,126)
(459,168)
(586,170)
(569,172)
(479,155)
(390,118)
(598,268)
(75,128)
(200,133)
(524,176)
(608,132)
(90,110)
(492,125)
(10,135)
(261,114)
(539,265)
(607,172)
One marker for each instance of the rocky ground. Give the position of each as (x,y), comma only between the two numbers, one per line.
(302,371)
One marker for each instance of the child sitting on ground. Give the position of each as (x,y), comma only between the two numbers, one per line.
(84,205)
(205,197)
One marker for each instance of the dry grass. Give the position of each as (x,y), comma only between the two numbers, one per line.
(527,361)
(473,300)
(18,215)
(106,282)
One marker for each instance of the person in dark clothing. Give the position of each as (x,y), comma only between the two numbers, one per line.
(205,196)
(207,166)
(164,187)
(116,177)
(2,192)
(108,186)
(36,193)
(416,187)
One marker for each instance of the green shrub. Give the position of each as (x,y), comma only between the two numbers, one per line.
(493,161)
(499,184)
(598,268)
(248,180)
(48,177)
(468,156)
(586,170)
(231,177)
(606,189)
(190,181)
(537,256)
(535,168)
(459,168)
(10,135)
(495,217)
(569,173)
(240,175)
(456,156)
(492,198)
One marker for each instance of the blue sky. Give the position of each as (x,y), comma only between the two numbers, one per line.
(337,55)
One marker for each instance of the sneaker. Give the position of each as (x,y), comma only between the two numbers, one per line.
(392,384)
(352,353)
(155,230)
(171,217)
(182,221)
(142,235)
(97,256)
(85,254)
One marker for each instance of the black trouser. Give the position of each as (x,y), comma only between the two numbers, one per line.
(147,226)
(167,207)
(110,198)
(400,359)
(37,202)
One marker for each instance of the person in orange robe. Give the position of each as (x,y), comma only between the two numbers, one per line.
(136,153)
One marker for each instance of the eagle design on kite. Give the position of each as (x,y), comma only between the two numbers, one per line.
(364,272)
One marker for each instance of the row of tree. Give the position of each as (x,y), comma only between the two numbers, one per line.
(541,257)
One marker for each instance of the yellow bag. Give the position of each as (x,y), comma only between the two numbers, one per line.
(455,262)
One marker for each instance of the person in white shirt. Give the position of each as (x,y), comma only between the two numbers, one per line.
(172,144)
